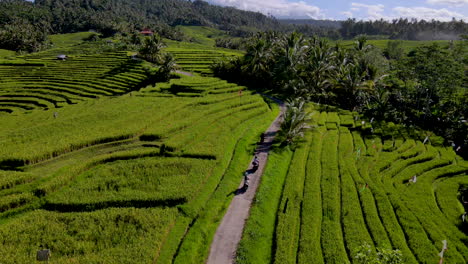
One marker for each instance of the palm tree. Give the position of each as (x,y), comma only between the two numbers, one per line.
(167,65)
(319,67)
(297,88)
(355,76)
(257,60)
(349,80)
(295,122)
(361,43)
(258,53)
(379,102)
(291,51)
(152,49)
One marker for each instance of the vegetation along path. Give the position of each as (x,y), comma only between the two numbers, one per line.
(227,237)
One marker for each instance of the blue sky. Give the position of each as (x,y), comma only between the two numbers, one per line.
(442,10)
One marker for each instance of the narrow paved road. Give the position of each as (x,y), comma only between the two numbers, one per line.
(228,235)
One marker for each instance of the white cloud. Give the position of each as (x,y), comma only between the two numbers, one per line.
(373,11)
(427,13)
(277,8)
(347,14)
(448,2)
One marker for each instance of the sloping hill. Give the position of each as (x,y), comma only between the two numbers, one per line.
(199,54)
(90,70)
(127,175)
(348,184)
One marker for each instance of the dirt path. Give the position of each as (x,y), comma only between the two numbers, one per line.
(228,235)
(184,73)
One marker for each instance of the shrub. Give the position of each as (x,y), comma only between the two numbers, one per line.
(366,255)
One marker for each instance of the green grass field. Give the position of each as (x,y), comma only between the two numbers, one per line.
(198,58)
(92,70)
(70,39)
(325,210)
(198,55)
(101,167)
(138,168)
(202,35)
(6,53)
(408,45)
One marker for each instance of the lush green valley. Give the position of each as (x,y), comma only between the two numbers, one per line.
(116,147)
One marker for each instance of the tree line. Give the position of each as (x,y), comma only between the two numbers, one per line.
(24,25)
(403,28)
(426,88)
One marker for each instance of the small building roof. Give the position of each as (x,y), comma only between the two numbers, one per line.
(62,56)
(146,32)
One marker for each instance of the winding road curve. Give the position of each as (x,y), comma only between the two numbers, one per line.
(229,232)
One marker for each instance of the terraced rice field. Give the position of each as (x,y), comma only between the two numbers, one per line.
(201,86)
(198,55)
(40,81)
(127,179)
(345,186)
(198,58)
(146,176)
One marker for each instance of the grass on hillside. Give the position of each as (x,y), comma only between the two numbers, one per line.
(99,178)
(346,185)
(6,53)
(91,70)
(69,39)
(202,35)
(200,53)
(408,45)
(58,41)
(115,167)
(147,176)
(198,57)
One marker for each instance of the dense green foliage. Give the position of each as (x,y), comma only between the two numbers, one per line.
(295,121)
(20,35)
(405,45)
(25,25)
(427,86)
(366,255)
(347,199)
(404,28)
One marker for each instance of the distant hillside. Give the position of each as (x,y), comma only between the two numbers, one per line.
(396,29)
(118,15)
(25,25)
(334,24)
(403,28)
